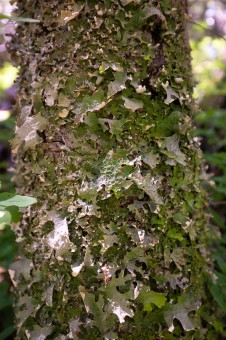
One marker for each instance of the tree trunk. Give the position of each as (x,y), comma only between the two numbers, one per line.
(114,247)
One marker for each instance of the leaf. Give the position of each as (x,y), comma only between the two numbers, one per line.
(176,280)
(39,333)
(74,328)
(51,90)
(25,308)
(95,307)
(178,256)
(5,299)
(150,11)
(126,2)
(180,312)
(47,295)
(218,290)
(132,104)
(64,113)
(120,309)
(7,332)
(147,298)
(20,267)
(149,184)
(171,94)
(58,239)
(89,104)
(66,16)
(172,145)
(92,121)
(108,241)
(8,246)
(140,237)
(118,303)
(5,217)
(9,214)
(115,126)
(151,159)
(14,212)
(135,253)
(76,268)
(63,101)
(114,172)
(219,295)
(8,199)
(114,66)
(219,257)
(174,234)
(118,84)
(27,132)
(18,19)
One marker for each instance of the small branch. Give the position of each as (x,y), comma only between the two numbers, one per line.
(18,19)
(207,29)
(218,203)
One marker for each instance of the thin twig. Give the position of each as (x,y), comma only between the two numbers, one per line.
(218,203)
(207,29)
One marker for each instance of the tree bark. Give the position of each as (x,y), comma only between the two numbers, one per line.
(114,248)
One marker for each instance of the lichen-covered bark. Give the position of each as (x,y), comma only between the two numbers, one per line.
(114,247)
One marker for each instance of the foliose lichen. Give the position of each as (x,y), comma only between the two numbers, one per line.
(116,239)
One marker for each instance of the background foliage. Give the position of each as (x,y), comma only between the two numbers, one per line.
(209,56)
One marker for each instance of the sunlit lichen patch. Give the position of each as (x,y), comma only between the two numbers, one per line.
(104,142)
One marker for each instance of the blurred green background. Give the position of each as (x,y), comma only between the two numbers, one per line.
(7,239)
(208,43)
(207,29)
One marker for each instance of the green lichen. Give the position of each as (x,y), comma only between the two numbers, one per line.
(117,237)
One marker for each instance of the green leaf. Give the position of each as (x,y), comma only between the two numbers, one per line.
(151,159)
(5,217)
(114,126)
(7,199)
(219,257)
(132,104)
(27,132)
(58,238)
(172,233)
(6,300)
(18,19)
(118,84)
(7,332)
(114,172)
(219,296)
(149,184)
(147,298)
(25,309)
(180,312)
(14,212)
(41,332)
(90,104)
(95,307)
(8,246)
(171,94)
(118,299)
(172,146)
